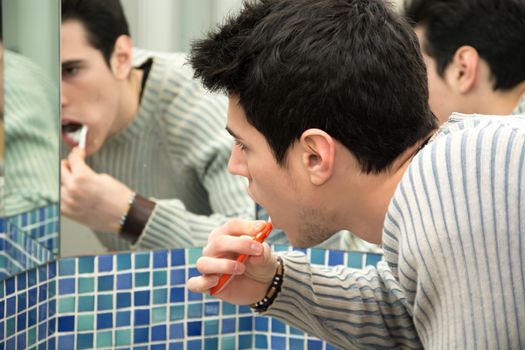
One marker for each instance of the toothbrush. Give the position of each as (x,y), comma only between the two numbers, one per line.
(83,137)
(225,278)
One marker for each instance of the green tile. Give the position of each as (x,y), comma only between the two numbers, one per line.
(123,262)
(86,264)
(158,314)
(193,254)
(228,343)
(85,322)
(86,285)
(160,278)
(160,296)
(86,303)
(211,327)
(51,289)
(176,312)
(122,337)
(66,304)
(10,326)
(31,336)
(142,260)
(142,279)
(105,302)
(104,339)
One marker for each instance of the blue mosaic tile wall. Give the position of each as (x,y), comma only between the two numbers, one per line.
(28,239)
(140,300)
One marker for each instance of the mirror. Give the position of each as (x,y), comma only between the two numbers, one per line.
(30,214)
(159,147)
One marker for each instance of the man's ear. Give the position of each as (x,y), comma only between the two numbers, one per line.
(121,59)
(318,153)
(465,64)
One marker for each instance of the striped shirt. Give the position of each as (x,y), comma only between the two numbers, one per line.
(176,152)
(453,275)
(31,136)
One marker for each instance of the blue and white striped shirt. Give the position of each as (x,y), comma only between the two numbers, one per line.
(453,275)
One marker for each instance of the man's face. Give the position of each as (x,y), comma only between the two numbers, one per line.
(89,88)
(285,192)
(443,99)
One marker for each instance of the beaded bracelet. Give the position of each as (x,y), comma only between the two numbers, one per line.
(124,216)
(273,289)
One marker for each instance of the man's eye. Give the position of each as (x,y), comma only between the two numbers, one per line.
(240,145)
(69,71)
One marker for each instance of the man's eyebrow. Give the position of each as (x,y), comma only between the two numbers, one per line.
(232,133)
(71,63)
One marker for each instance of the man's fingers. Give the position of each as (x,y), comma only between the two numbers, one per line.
(76,160)
(238,227)
(211,266)
(228,245)
(202,284)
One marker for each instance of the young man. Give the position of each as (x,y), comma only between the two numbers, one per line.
(474,54)
(156,146)
(328,107)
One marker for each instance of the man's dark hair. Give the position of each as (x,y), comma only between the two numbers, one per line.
(104,21)
(349,67)
(495,28)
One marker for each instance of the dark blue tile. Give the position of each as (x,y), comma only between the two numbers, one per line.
(105,263)
(194,296)
(194,328)
(11,343)
(245,309)
(141,317)
(193,272)
(160,259)
(123,300)
(42,312)
(177,331)
(158,333)
(245,324)
(50,343)
(314,344)
(21,282)
(42,293)
(66,323)
(32,296)
(177,276)
(52,270)
(31,318)
(278,326)
(2,309)
(1,332)
(142,298)
(158,347)
(10,286)
(105,283)
(31,278)
(228,325)
(178,257)
(11,306)
(42,331)
(21,322)
(22,302)
(124,281)
(67,267)
(104,321)
(51,326)
(330,347)
(123,318)
(176,295)
(141,335)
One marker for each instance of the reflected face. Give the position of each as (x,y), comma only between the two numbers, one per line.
(90,91)
(443,99)
(285,192)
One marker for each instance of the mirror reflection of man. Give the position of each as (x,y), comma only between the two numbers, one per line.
(154,170)
(474,54)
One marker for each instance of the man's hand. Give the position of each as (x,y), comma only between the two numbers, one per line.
(95,200)
(251,279)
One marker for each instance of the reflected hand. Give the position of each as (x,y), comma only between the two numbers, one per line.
(95,200)
(251,278)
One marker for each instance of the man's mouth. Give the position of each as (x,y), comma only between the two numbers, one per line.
(72,133)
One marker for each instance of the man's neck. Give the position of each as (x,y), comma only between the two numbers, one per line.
(130,100)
